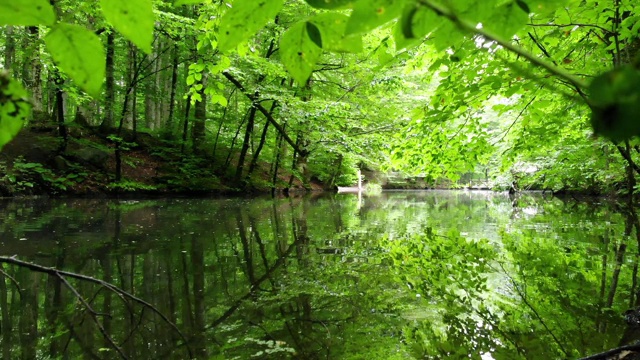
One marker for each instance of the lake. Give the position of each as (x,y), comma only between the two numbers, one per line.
(399,275)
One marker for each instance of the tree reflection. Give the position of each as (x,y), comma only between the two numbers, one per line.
(397,276)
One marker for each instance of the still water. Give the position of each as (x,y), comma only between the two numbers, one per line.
(400,275)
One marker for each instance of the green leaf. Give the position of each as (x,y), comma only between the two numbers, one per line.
(615,103)
(314,34)
(369,14)
(14,108)
(507,19)
(523,5)
(26,12)
(330,4)
(332,27)
(187,2)
(447,35)
(415,23)
(80,54)
(244,19)
(218,99)
(545,6)
(299,53)
(132,18)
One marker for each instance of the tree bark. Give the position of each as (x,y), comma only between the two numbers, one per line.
(199,118)
(174,81)
(263,140)
(245,143)
(9,48)
(109,122)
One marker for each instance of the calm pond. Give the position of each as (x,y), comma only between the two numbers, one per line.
(398,275)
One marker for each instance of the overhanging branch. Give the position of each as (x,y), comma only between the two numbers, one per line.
(264,111)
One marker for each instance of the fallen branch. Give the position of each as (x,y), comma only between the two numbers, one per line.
(610,353)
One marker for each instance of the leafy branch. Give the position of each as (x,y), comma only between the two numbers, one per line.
(472,27)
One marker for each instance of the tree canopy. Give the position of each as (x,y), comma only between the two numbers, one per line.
(525,93)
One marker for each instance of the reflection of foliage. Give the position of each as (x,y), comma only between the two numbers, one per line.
(339,277)
(449,272)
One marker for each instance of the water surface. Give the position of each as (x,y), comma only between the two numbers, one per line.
(394,276)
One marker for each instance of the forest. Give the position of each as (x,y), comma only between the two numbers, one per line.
(217,96)
(146,108)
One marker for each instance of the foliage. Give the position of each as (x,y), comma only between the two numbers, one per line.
(462,86)
(26,177)
(130,186)
(14,108)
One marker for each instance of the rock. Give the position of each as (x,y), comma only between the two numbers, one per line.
(60,163)
(92,156)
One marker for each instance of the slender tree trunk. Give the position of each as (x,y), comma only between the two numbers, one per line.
(28,324)
(9,48)
(158,104)
(199,118)
(109,121)
(198,264)
(5,322)
(245,144)
(172,96)
(222,121)
(151,91)
(34,73)
(276,163)
(185,128)
(233,142)
(263,139)
(62,128)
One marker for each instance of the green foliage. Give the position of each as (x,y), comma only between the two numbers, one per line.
(132,18)
(332,28)
(299,52)
(79,52)
(24,177)
(329,4)
(130,186)
(615,100)
(27,13)
(14,108)
(369,14)
(244,19)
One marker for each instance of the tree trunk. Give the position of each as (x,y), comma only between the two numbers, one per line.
(279,150)
(245,145)
(5,321)
(199,118)
(62,128)
(263,139)
(151,91)
(233,142)
(172,97)
(33,73)
(109,121)
(185,128)
(9,48)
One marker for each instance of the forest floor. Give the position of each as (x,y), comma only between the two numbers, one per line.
(36,162)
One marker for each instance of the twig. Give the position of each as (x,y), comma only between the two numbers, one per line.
(471,27)
(12,279)
(516,119)
(572,25)
(93,314)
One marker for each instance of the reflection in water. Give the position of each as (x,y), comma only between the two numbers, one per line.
(399,275)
